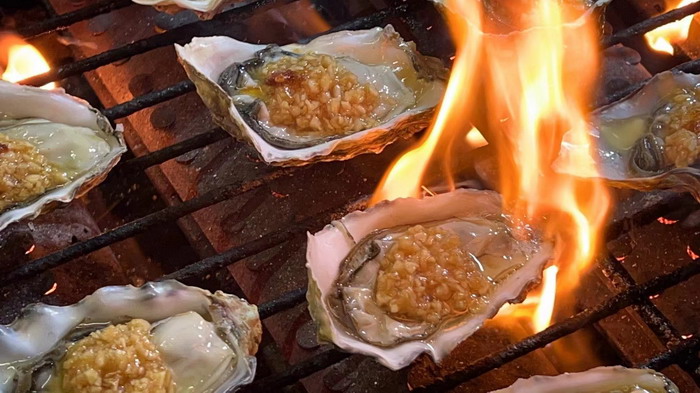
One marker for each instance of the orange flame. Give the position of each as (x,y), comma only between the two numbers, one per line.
(662,38)
(536,85)
(23,61)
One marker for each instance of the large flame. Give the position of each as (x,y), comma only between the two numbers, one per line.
(23,61)
(662,38)
(533,87)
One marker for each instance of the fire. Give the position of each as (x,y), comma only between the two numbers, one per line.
(662,38)
(23,61)
(533,87)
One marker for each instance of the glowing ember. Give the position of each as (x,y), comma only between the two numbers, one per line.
(534,90)
(691,254)
(666,221)
(23,61)
(51,290)
(663,38)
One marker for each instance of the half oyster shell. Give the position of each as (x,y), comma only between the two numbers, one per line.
(596,380)
(338,96)
(648,140)
(418,275)
(205,9)
(204,342)
(53,148)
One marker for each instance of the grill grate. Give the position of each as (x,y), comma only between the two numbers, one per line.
(635,294)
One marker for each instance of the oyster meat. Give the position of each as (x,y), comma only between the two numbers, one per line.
(338,96)
(53,147)
(615,379)
(418,275)
(205,9)
(161,337)
(648,140)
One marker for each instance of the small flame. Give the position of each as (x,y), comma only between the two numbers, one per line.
(23,61)
(535,86)
(543,314)
(475,139)
(692,254)
(662,38)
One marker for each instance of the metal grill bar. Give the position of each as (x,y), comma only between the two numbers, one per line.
(652,23)
(167,153)
(65,20)
(298,371)
(685,349)
(180,34)
(566,327)
(148,100)
(138,226)
(284,302)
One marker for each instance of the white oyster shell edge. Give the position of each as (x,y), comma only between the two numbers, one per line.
(56,106)
(212,55)
(327,249)
(594,380)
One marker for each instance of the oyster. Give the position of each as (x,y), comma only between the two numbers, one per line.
(648,140)
(161,337)
(596,380)
(418,275)
(53,147)
(338,96)
(205,9)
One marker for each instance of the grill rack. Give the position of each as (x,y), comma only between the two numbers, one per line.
(635,295)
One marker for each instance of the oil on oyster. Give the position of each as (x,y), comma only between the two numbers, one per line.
(161,337)
(205,9)
(418,275)
(53,147)
(648,140)
(598,380)
(338,96)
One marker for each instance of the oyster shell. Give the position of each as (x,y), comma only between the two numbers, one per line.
(356,267)
(648,140)
(53,148)
(338,96)
(207,342)
(596,380)
(205,9)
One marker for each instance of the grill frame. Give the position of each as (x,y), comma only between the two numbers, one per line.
(635,295)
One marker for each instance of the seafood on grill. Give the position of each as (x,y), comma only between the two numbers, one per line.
(53,148)
(205,9)
(597,380)
(340,95)
(161,337)
(418,275)
(648,140)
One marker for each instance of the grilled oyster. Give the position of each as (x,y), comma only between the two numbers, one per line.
(205,9)
(338,96)
(53,147)
(597,380)
(418,275)
(648,140)
(161,337)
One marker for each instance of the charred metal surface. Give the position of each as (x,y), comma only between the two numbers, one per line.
(173,151)
(148,100)
(166,215)
(284,302)
(69,18)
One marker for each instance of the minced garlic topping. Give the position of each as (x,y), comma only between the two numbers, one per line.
(314,94)
(24,172)
(427,275)
(682,135)
(116,359)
